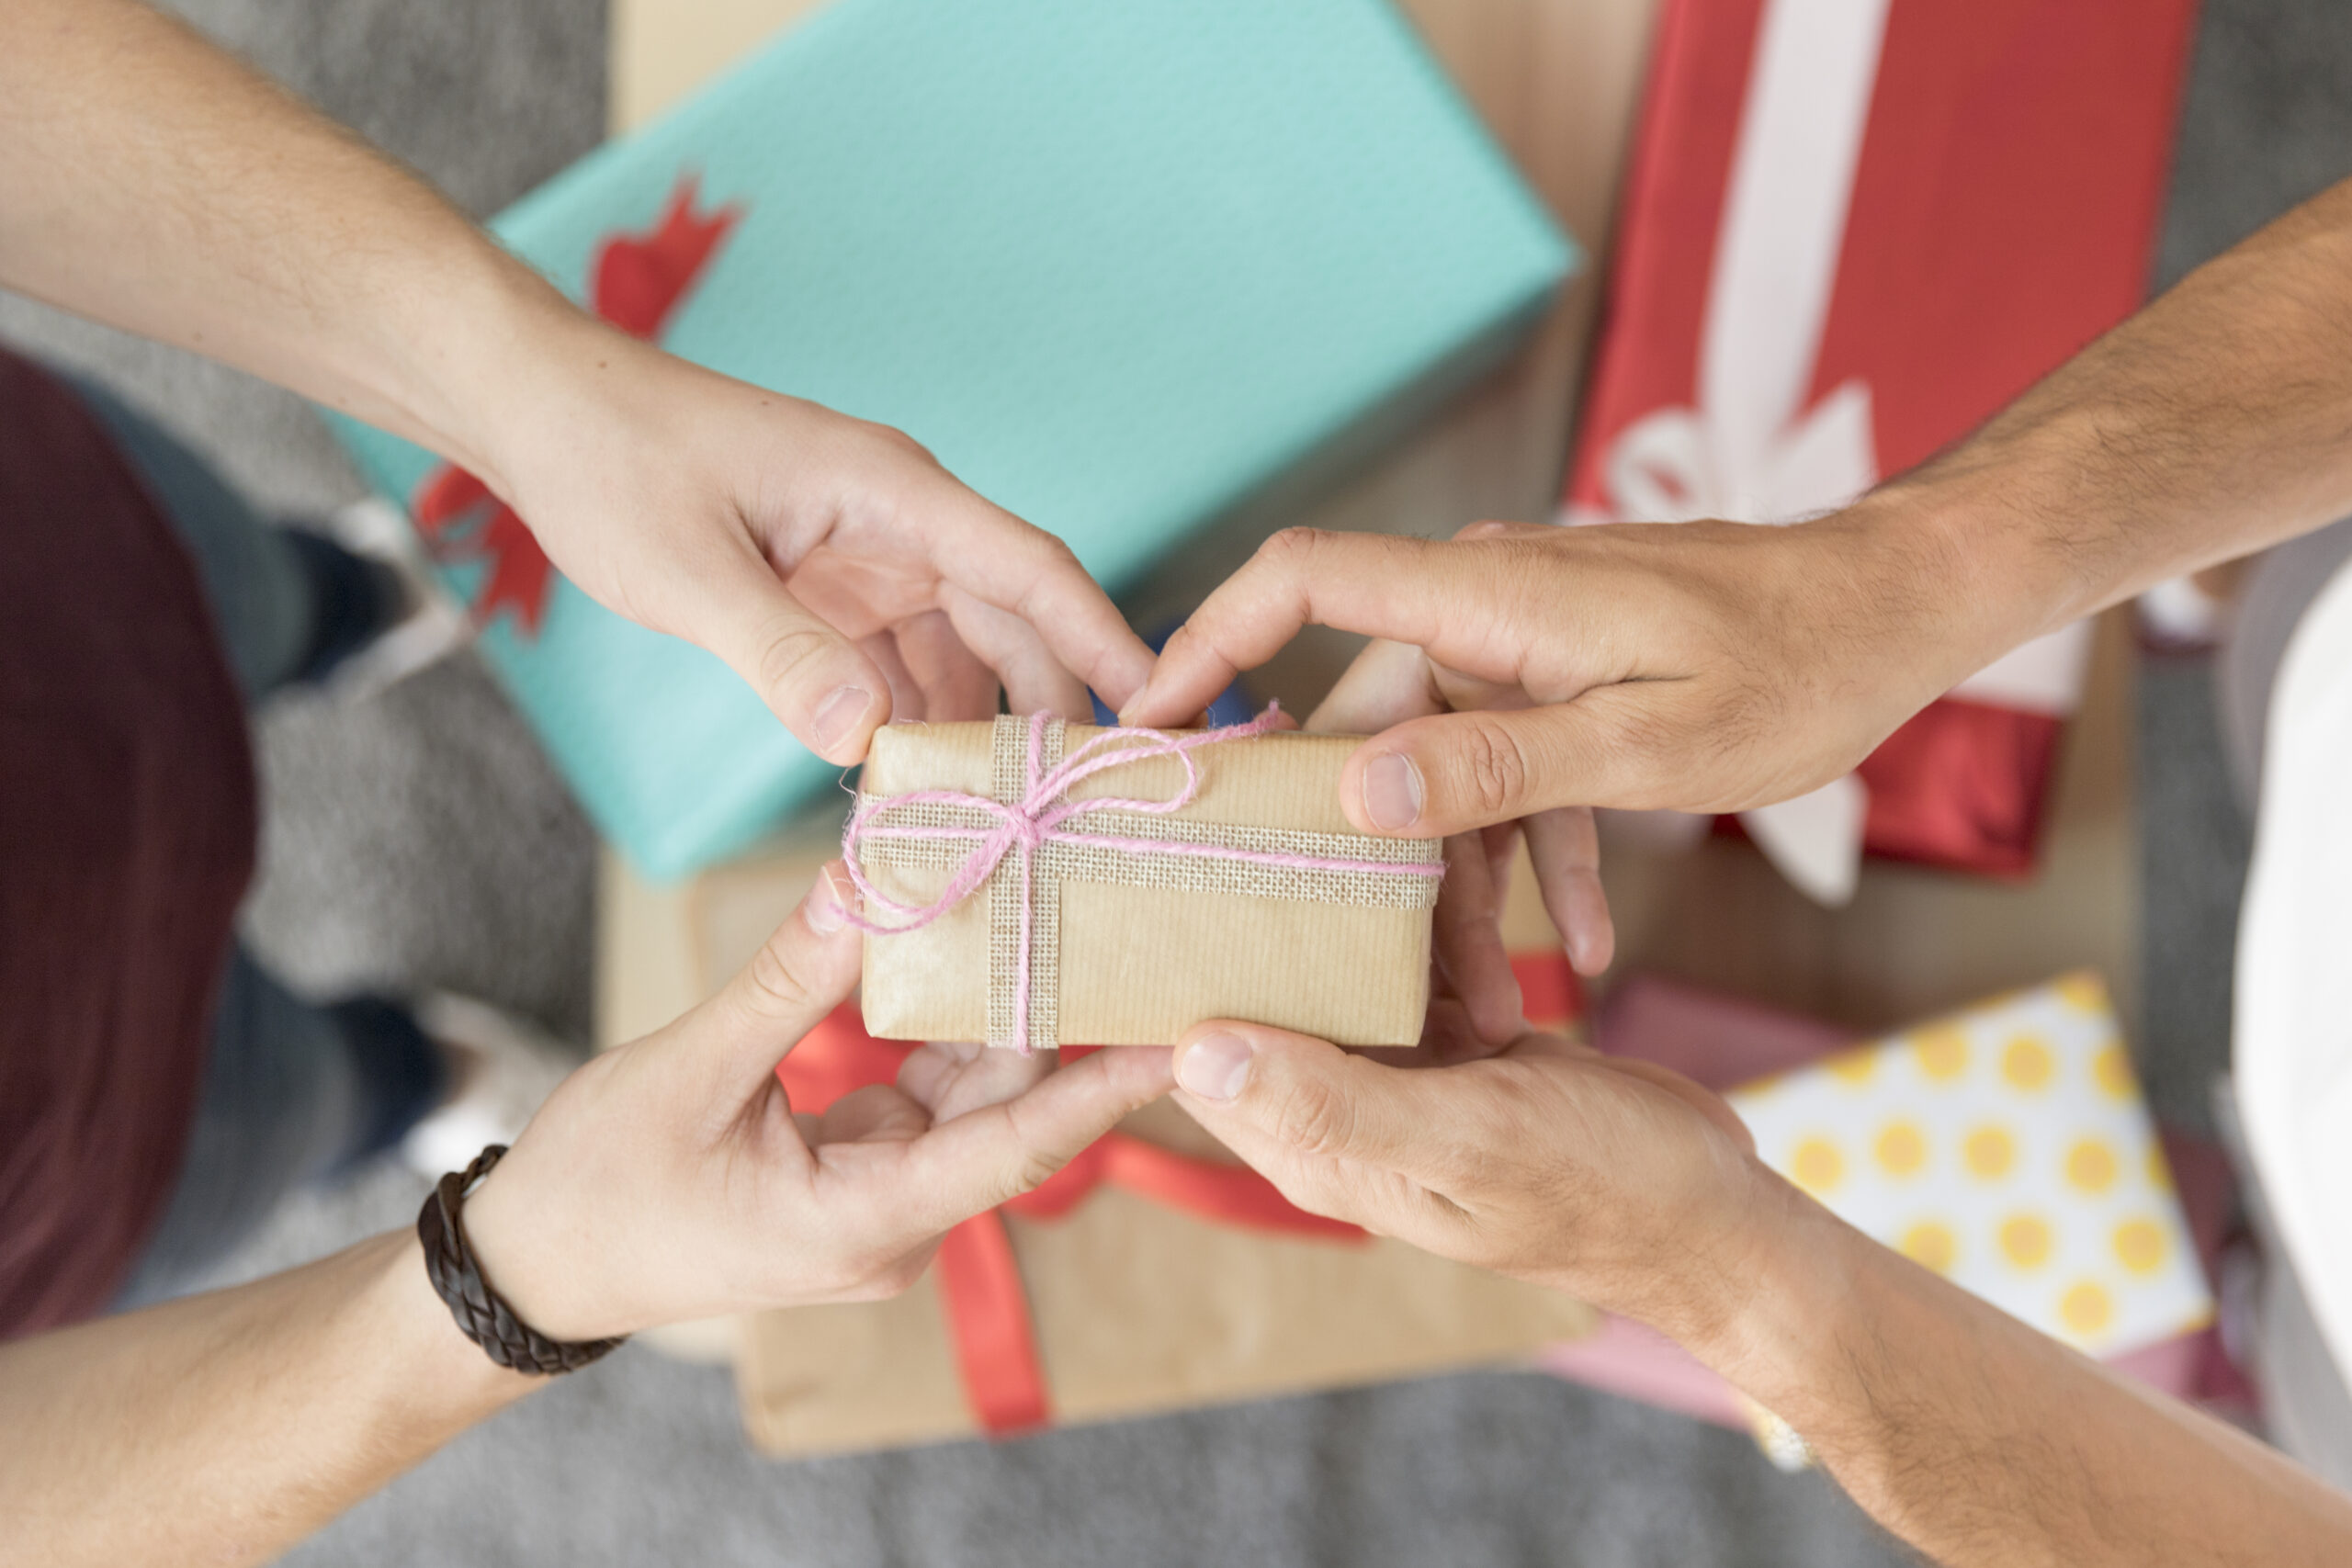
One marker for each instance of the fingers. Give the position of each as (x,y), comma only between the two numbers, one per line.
(1431,777)
(1566,849)
(908,703)
(829,693)
(949,1080)
(1027,572)
(1036,681)
(952,683)
(980,1158)
(876,1113)
(1443,598)
(1290,1104)
(803,971)
(1387,683)
(1469,940)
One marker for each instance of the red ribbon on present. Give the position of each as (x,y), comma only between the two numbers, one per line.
(635,282)
(1963,785)
(979,1278)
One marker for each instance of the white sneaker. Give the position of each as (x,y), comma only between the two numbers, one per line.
(436,626)
(505,1068)
(2177,615)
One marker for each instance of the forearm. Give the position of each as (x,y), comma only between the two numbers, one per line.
(149,180)
(223,1428)
(1982,1441)
(2215,423)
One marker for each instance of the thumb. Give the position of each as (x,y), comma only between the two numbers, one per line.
(979,1159)
(806,968)
(1298,1108)
(1453,773)
(829,695)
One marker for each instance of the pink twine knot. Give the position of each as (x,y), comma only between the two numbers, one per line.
(1028,824)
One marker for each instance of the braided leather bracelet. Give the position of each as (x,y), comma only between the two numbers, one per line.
(484,1318)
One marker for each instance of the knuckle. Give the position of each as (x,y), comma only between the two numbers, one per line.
(1052,569)
(894,1278)
(789,652)
(1493,767)
(1291,549)
(1033,1162)
(1316,1120)
(773,989)
(898,443)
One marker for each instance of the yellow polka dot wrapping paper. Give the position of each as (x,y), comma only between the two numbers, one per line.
(2006,1147)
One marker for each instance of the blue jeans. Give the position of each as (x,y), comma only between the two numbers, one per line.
(292,1090)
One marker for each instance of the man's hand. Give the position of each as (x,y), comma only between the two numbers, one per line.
(1617,1182)
(670,1179)
(1972,1436)
(1526,674)
(1700,666)
(841,571)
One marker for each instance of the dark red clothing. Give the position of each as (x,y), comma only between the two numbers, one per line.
(126,833)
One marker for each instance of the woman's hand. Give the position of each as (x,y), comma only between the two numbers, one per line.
(670,1179)
(844,574)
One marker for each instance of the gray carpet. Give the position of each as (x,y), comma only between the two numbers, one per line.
(421,839)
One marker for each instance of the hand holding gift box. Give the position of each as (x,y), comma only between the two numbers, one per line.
(1850,261)
(1826,272)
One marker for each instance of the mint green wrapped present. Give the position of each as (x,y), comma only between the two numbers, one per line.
(1121,265)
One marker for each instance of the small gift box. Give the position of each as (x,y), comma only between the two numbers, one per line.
(1030,882)
(1128,269)
(2006,1147)
(1850,234)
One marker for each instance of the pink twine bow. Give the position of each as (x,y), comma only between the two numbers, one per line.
(1037,819)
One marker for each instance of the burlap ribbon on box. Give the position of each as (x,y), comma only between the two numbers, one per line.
(1024,839)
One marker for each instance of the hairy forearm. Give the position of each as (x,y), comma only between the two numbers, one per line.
(1982,1441)
(2215,423)
(222,1427)
(149,180)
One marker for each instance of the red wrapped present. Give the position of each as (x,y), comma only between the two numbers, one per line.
(1851,231)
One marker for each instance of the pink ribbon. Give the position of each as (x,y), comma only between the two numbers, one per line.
(1037,819)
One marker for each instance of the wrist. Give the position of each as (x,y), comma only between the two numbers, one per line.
(1960,573)
(2003,530)
(473,347)
(1801,1326)
(425,1348)
(520,1249)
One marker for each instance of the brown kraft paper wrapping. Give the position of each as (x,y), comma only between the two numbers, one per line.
(1139,1309)
(1131,965)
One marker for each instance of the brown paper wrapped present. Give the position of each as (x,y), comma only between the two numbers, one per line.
(1031,882)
